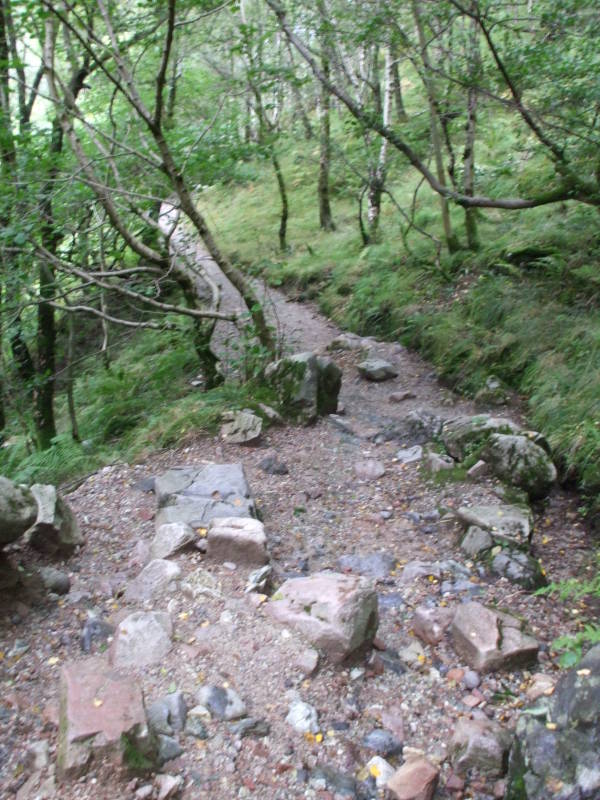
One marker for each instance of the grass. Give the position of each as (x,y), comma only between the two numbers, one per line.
(143,403)
(523,308)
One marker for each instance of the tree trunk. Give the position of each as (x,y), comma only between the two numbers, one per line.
(325,216)
(284,200)
(451,240)
(43,395)
(397,85)
(70,379)
(378,174)
(469,152)
(298,102)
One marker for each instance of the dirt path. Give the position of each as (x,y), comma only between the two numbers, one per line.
(318,512)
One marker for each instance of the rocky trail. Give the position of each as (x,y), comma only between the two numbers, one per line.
(280,683)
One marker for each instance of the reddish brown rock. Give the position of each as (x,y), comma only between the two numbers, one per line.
(238,539)
(100,709)
(336,613)
(430,624)
(488,640)
(415,780)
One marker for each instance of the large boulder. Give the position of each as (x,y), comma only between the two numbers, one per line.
(463,435)
(18,510)
(488,640)
(336,613)
(307,385)
(556,752)
(521,462)
(102,714)
(55,530)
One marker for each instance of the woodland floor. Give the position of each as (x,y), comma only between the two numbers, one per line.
(313,515)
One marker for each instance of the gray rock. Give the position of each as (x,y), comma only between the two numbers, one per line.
(348,341)
(410,454)
(222,703)
(369,469)
(476,542)
(167,786)
(382,742)
(482,745)
(340,783)
(141,639)
(377,369)
(373,565)
(512,525)
(168,715)
(464,435)
(167,748)
(273,466)
(37,756)
(379,767)
(336,613)
(307,386)
(423,425)
(488,640)
(521,462)
(250,727)
(95,629)
(519,568)
(55,530)
(556,745)
(258,579)
(302,717)
(55,580)
(170,539)
(194,725)
(471,679)
(492,393)
(241,427)
(18,510)
(435,462)
(479,470)
(152,581)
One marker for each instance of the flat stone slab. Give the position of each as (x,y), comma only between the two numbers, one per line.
(373,565)
(141,639)
(238,539)
(194,496)
(152,581)
(99,706)
(506,524)
(488,640)
(336,613)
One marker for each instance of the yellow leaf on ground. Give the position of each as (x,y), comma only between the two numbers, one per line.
(53,660)
(98,702)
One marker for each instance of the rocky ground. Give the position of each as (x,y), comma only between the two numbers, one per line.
(400,698)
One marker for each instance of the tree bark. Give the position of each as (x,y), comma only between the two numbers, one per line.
(451,240)
(70,378)
(378,174)
(284,200)
(469,152)
(325,216)
(397,85)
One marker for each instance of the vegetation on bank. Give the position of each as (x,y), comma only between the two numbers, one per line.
(523,308)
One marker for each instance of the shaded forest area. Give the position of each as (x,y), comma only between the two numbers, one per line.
(427,171)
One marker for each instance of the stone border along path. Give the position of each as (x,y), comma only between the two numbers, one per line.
(237,661)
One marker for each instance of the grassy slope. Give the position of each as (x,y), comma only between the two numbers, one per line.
(530,319)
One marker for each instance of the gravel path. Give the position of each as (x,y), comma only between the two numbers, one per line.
(318,512)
